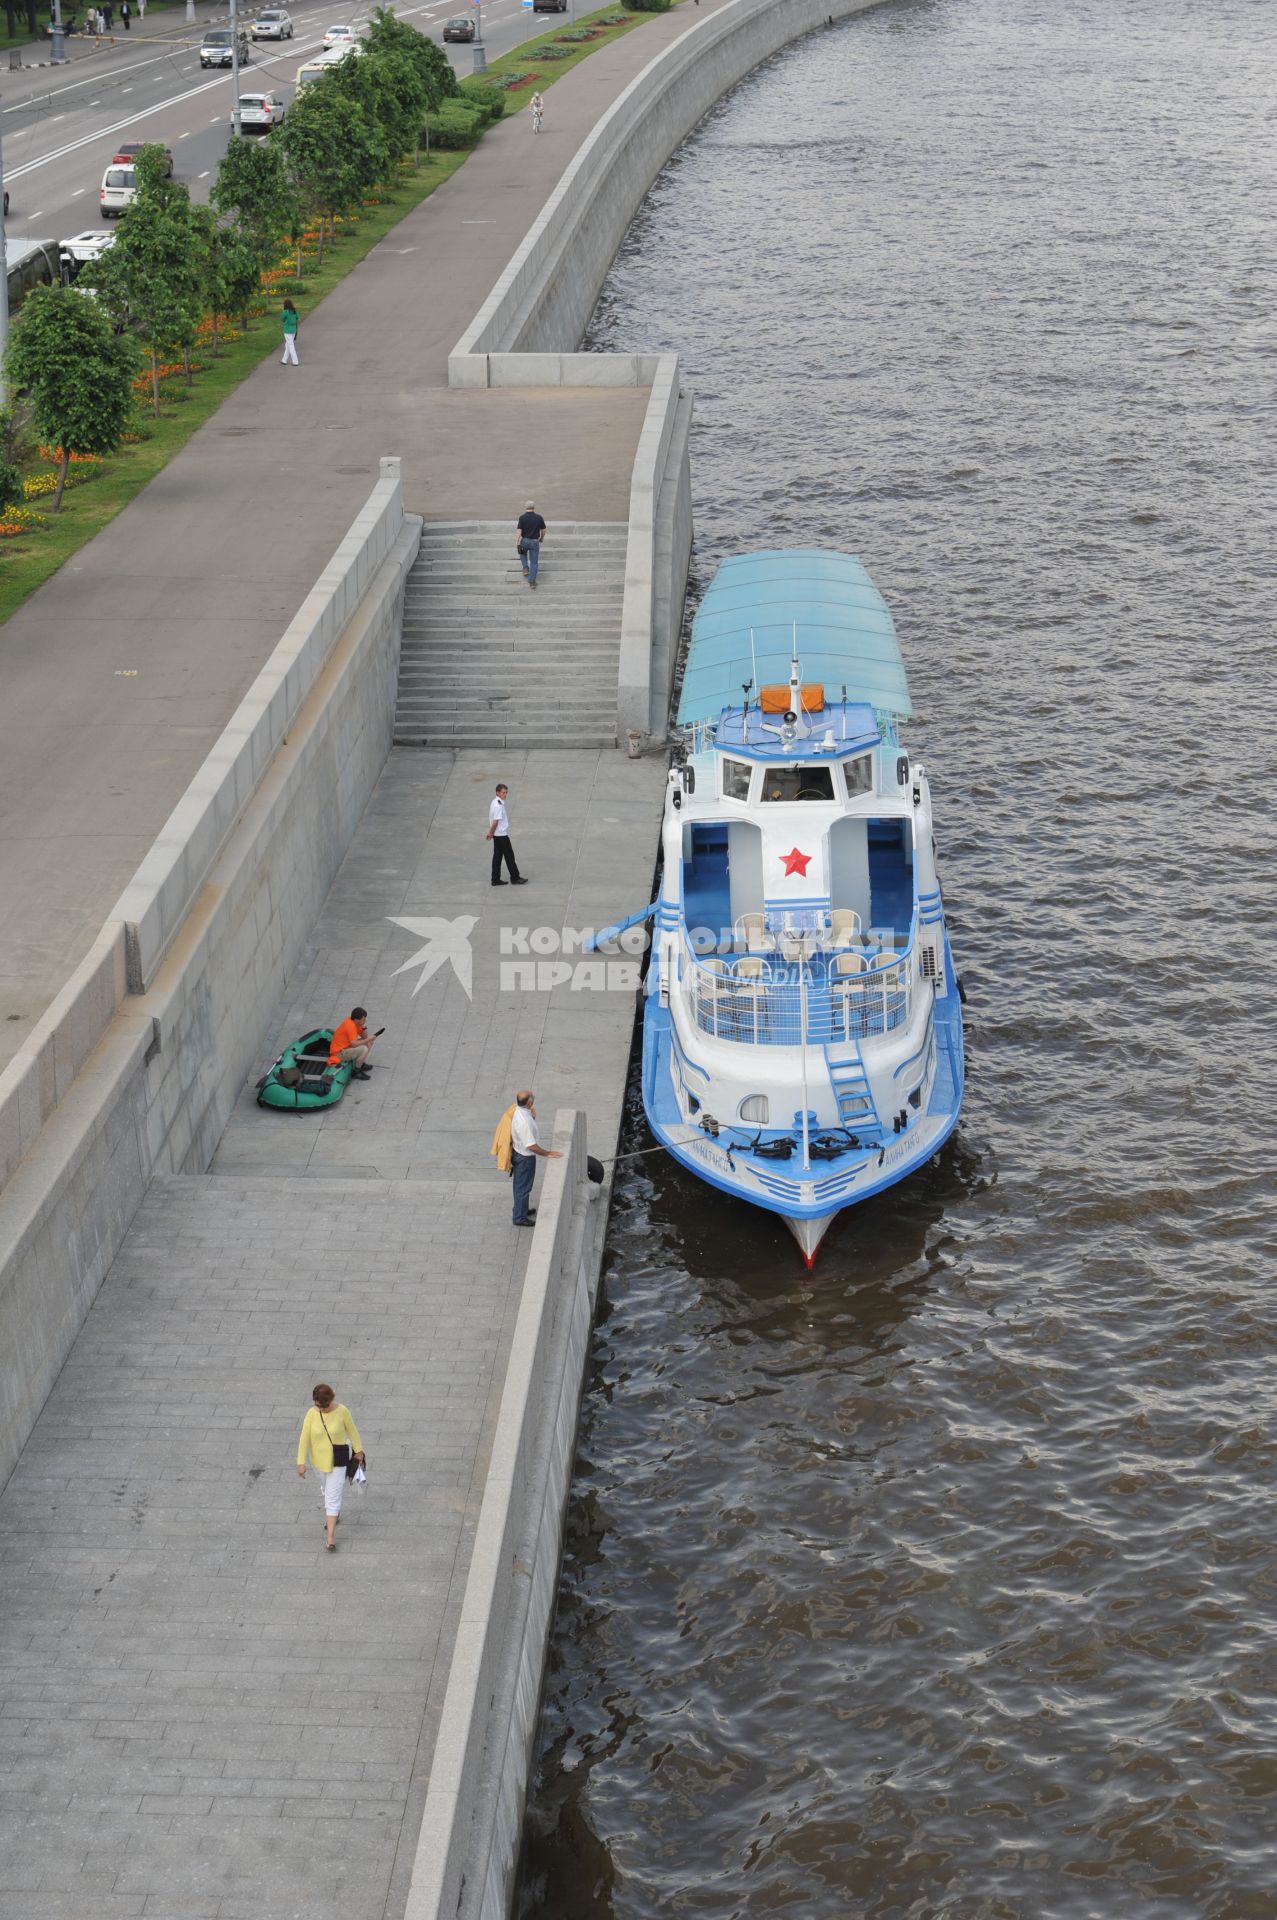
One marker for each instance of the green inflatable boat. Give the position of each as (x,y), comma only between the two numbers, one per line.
(301,1079)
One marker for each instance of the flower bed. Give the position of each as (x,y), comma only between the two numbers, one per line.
(16,520)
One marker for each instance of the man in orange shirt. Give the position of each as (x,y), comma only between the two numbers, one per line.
(352,1042)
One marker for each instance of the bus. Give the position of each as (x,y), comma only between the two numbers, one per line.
(312,70)
(30,263)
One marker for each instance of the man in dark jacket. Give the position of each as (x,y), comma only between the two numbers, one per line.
(529,533)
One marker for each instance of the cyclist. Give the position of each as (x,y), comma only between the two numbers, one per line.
(538,108)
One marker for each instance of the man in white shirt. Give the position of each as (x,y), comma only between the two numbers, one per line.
(499,834)
(526,1150)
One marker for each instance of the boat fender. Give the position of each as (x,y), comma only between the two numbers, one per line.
(962,990)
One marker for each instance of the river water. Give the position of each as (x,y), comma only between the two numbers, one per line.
(944,1583)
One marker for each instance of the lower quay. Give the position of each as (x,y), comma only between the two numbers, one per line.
(205,1715)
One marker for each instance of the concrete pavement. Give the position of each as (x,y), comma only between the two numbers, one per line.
(187,591)
(205,1716)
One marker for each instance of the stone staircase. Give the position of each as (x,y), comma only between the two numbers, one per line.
(486,662)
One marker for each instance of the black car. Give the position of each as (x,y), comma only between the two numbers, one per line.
(460,27)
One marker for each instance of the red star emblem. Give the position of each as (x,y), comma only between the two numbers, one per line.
(796,862)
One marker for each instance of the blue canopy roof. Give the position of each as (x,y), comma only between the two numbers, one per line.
(845,634)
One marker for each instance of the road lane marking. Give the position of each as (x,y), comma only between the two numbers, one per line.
(204,176)
(118,126)
(77,191)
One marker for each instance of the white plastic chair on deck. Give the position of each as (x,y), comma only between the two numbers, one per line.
(749,987)
(847,984)
(752,928)
(844,927)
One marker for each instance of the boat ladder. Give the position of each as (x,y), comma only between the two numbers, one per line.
(847,1076)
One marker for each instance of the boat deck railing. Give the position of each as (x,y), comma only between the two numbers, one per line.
(824,995)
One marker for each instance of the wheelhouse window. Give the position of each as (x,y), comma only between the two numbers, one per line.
(798,783)
(859,774)
(736,779)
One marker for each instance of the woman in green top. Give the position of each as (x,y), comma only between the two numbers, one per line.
(329,1425)
(291,324)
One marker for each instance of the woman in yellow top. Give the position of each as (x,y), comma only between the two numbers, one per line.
(328,1425)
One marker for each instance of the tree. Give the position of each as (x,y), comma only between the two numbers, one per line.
(332,154)
(253,189)
(77,372)
(232,270)
(387,34)
(152,278)
(388,90)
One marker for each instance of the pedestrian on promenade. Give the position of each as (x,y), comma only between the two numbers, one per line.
(291,322)
(330,1439)
(530,531)
(126,16)
(499,834)
(537,107)
(526,1150)
(108,15)
(141,9)
(352,1042)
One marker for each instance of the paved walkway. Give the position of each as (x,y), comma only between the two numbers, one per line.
(191,587)
(204,1716)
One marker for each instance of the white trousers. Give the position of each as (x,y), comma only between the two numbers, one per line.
(290,350)
(334,1485)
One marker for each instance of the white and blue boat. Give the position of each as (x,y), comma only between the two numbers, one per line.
(802,1037)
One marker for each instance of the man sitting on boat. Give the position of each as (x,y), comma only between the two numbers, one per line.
(352,1042)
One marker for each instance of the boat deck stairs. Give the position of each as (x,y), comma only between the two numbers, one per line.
(488,662)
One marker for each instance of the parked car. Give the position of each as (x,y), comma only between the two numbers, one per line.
(460,27)
(118,190)
(549,6)
(274,24)
(125,156)
(259,112)
(340,37)
(217,48)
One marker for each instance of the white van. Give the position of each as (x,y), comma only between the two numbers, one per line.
(118,190)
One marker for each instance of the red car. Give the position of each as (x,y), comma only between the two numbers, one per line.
(125,156)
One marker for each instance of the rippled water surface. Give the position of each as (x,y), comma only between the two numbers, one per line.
(944,1584)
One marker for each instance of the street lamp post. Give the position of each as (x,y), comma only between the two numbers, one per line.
(59,51)
(4,269)
(480,51)
(235,68)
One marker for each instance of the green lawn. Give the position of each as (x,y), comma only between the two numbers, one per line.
(28,559)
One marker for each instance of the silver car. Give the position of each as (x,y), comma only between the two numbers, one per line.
(217,49)
(273,24)
(259,112)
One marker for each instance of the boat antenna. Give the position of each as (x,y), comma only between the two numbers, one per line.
(746,689)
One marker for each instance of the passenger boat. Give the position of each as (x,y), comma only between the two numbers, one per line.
(802,1033)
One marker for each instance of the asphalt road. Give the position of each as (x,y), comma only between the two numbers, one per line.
(60,126)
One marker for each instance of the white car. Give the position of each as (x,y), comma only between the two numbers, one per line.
(273,24)
(340,37)
(259,112)
(118,190)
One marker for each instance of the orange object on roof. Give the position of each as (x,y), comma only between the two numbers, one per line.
(776,699)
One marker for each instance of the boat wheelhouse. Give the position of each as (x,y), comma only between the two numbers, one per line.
(802,1041)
